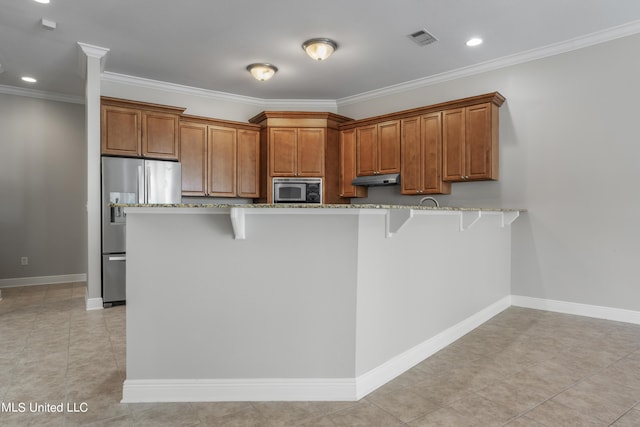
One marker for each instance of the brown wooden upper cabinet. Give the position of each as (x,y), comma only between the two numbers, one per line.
(470,143)
(193,156)
(378,148)
(248,163)
(160,135)
(219,161)
(222,161)
(421,162)
(296,151)
(300,144)
(348,166)
(138,129)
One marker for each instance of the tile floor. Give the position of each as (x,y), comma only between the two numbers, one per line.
(522,368)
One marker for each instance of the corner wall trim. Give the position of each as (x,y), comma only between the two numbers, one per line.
(596,311)
(42,280)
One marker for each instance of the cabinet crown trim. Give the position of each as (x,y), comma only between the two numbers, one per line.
(493,97)
(186,118)
(117,102)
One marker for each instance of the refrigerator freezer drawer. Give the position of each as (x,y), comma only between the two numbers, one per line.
(113,278)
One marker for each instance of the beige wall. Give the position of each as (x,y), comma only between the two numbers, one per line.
(569,149)
(42,187)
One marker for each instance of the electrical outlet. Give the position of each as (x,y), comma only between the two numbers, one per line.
(24,260)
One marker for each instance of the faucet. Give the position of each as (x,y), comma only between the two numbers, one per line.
(429,198)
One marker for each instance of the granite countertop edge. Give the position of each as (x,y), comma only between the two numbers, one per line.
(312,206)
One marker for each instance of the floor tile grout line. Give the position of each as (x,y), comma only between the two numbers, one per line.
(573,385)
(591,371)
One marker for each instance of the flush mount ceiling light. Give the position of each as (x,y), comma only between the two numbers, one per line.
(43,1)
(262,71)
(319,49)
(474,42)
(29,79)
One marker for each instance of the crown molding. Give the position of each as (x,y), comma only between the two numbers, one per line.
(265,104)
(323,105)
(49,96)
(177,88)
(625,30)
(93,51)
(90,51)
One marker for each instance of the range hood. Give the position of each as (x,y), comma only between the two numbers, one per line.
(376,180)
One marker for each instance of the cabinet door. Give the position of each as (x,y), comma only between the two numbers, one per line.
(389,147)
(222,161)
(310,152)
(431,137)
(348,165)
(121,131)
(160,135)
(453,144)
(193,156)
(248,164)
(366,150)
(282,151)
(479,149)
(411,156)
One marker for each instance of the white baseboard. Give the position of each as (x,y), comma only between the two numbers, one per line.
(239,390)
(401,363)
(42,280)
(347,389)
(305,389)
(94,304)
(596,311)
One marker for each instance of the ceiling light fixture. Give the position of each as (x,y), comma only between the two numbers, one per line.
(319,49)
(474,42)
(262,71)
(29,79)
(43,1)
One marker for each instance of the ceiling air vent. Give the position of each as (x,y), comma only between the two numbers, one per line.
(422,38)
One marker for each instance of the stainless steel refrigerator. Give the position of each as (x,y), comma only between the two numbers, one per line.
(126,180)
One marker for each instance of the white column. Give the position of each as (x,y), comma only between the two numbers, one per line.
(94,58)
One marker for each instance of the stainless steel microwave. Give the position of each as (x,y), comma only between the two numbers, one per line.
(297,190)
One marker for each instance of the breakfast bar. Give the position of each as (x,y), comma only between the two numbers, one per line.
(302,302)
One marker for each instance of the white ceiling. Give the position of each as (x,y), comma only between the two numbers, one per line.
(207,44)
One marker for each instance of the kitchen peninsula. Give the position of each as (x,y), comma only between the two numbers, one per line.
(300,302)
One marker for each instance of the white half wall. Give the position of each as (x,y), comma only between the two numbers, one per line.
(305,304)
(425,279)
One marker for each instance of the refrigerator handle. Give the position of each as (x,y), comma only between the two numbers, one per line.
(141,189)
(147,184)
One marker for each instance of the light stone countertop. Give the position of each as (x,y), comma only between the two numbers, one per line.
(314,206)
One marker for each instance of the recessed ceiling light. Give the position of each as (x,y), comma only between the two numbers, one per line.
(474,41)
(43,1)
(29,79)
